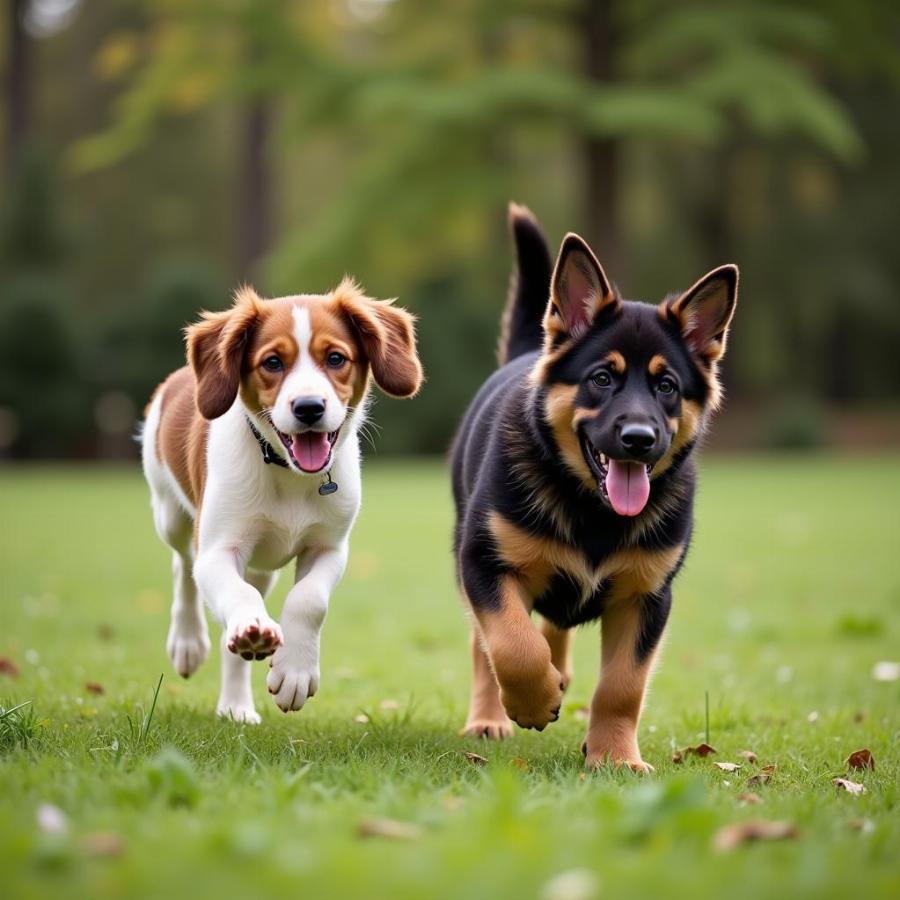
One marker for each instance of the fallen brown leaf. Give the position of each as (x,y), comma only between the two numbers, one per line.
(105,632)
(700,750)
(861,759)
(8,667)
(389,828)
(475,759)
(851,787)
(750,798)
(519,763)
(102,843)
(732,836)
(749,755)
(866,826)
(763,776)
(94,687)
(859,717)
(727,767)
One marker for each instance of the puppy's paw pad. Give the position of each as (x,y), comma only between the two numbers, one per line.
(254,637)
(488,729)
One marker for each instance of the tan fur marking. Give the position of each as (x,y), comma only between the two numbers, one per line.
(487,717)
(616,361)
(560,643)
(559,411)
(530,687)
(658,364)
(685,429)
(616,704)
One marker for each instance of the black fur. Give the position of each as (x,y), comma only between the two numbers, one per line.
(506,455)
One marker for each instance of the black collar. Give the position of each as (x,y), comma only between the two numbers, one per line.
(268,451)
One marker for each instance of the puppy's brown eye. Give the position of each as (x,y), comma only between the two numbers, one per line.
(667,386)
(601,379)
(335,360)
(273,363)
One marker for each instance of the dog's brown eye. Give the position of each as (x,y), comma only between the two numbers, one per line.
(601,379)
(273,363)
(335,360)
(666,386)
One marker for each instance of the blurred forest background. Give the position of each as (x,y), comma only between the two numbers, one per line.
(159,152)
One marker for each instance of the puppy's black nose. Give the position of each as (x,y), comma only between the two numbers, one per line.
(308,410)
(637,439)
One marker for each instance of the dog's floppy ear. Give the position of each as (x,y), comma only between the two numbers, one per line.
(215,351)
(388,337)
(704,312)
(579,290)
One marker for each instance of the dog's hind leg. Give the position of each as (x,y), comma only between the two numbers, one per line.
(560,641)
(487,718)
(188,640)
(236,692)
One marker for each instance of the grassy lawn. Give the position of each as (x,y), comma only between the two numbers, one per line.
(789,598)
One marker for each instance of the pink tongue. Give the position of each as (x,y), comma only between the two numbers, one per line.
(628,487)
(311,450)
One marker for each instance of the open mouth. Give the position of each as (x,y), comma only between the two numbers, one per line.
(310,451)
(624,484)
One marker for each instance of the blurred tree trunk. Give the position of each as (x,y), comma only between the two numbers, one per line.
(601,155)
(255,187)
(18,83)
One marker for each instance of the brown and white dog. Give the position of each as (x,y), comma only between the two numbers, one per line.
(252,457)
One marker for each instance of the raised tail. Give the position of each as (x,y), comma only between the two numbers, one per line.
(529,287)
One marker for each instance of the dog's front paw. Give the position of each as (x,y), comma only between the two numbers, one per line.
(238,712)
(253,636)
(614,743)
(534,702)
(491,729)
(187,646)
(293,678)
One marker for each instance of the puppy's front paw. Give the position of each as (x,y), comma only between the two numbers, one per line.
(614,742)
(534,702)
(491,729)
(238,712)
(253,636)
(293,678)
(187,646)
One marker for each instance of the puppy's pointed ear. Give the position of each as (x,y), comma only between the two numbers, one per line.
(388,337)
(215,350)
(704,312)
(579,291)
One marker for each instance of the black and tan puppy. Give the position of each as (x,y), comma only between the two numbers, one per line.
(574,476)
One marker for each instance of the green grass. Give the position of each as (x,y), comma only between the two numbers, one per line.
(789,598)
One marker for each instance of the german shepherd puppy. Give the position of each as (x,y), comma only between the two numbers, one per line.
(573,477)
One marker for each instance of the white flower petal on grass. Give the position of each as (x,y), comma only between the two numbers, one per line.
(886,671)
(573,884)
(51,819)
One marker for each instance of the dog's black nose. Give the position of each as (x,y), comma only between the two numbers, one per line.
(637,439)
(308,410)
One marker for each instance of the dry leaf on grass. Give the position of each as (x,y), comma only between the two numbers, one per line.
(94,687)
(8,667)
(861,759)
(750,798)
(732,836)
(727,767)
(700,750)
(886,671)
(389,828)
(813,717)
(749,755)
(102,843)
(851,787)
(763,776)
(866,826)
(361,719)
(519,763)
(475,759)
(389,705)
